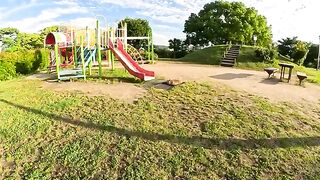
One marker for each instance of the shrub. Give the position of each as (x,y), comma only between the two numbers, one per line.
(164,53)
(266,54)
(22,62)
(25,63)
(7,70)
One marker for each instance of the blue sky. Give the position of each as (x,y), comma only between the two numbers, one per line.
(167,17)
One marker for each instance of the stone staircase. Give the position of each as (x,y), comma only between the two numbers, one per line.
(229,59)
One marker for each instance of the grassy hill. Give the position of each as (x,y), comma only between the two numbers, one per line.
(193,131)
(211,55)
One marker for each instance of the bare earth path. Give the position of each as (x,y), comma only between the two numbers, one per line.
(253,82)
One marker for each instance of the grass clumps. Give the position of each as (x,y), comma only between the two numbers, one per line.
(192,131)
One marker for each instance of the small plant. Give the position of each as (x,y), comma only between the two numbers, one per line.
(266,54)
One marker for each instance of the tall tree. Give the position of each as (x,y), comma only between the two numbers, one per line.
(178,46)
(286,46)
(221,21)
(136,28)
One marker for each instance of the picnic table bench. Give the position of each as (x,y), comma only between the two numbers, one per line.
(271,71)
(301,76)
(283,70)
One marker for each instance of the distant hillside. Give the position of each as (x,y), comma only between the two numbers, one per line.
(213,55)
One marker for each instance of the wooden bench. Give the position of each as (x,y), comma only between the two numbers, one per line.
(271,71)
(301,76)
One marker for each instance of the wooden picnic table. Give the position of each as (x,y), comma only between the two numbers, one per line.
(283,70)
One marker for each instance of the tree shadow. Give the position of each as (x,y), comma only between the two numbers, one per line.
(230,76)
(196,141)
(115,79)
(270,81)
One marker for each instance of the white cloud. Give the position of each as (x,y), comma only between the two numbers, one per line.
(45,18)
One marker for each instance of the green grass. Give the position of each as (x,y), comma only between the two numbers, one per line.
(211,55)
(193,131)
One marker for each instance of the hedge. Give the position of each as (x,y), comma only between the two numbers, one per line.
(22,62)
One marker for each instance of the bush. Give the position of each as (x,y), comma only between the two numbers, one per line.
(164,53)
(23,62)
(7,70)
(145,55)
(266,54)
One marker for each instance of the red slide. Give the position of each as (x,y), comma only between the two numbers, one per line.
(127,61)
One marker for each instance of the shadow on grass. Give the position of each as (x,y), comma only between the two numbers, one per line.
(197,141)
(230,76)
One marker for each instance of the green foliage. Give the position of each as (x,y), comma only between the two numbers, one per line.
(266,54)
(220,22)
(13,40)
(136,28)
(23,62)
(44,32)
(311,59)
(7,70)
(30,41)
(286,46)
(164,53)
(179,47)
(294,48)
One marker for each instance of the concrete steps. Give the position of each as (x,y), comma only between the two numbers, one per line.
(231,56)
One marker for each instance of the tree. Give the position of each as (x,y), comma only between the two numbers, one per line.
(286,46)
(311,59)
(294,48)
(220,22)
(136,28)
(178,46)
(30,41)
(8,37)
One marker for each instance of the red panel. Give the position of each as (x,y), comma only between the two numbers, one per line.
(50,39)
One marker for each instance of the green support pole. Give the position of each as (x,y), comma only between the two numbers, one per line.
(109,58)
(56,52)
(149,57)
(75,58)
(99,49)
(82,58)
(112,61)
(152,49)
(90,68)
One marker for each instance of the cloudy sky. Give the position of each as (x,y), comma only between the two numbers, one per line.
(287,17)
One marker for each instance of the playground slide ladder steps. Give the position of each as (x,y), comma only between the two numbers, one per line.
(230,57)
(89,55)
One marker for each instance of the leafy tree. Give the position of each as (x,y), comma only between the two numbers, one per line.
(300,52)
(8,37)
(294,48)
(136,28)
(310,60)
(30,41)
(220,22)
(178,46)
(286,46)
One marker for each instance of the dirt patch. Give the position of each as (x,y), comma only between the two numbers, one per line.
(253,82)
(123,91)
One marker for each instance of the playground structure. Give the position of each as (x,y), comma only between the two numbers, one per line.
(74,52)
